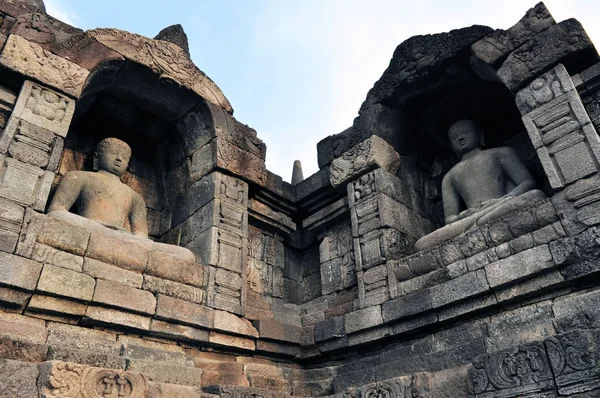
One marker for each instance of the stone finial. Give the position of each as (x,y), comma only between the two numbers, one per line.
(297,174)
(176,35)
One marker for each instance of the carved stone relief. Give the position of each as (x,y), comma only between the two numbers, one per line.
(167,59)
(32,60)
(70,380)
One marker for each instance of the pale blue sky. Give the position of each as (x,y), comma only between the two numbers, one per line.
(297,71)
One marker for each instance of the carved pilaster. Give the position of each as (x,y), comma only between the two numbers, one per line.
(218,234)
(559,127)
(384,228)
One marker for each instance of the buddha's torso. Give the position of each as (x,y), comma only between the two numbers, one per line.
(480,178)
(104,199)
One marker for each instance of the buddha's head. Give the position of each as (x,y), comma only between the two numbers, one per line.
(112,155)
(464,136)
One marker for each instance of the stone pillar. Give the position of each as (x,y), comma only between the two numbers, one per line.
(31,146)
(559,127)
(217,233)
(384,227)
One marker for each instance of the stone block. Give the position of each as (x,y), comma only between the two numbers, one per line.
(48,255)
(519,266)
(179,332)
(100,270)
(275,330)
(167,373)
(14,299)
(404,306)
(23,183)
(173,309)
(288,350)
(104,359)
(115,318)
(34,61)
(49,304)
(363,319)
(165,266)
(19,272)
(63,236)
(450,382)
(533,286)
(117,295)
(22,327)
(19,379)
(374,152)
(329,328)
(166,390)
(544,89)
(231,341)
(173,289)
(546,48)
(231,323)
(124,254)
(468,285)
(22,350)
(66,283)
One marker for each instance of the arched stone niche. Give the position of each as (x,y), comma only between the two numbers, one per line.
(414,117)
(128,101)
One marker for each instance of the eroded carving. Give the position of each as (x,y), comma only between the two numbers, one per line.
(32,60)
(515,372)
(46,104)
(384,389)
(166,59)
(69,380)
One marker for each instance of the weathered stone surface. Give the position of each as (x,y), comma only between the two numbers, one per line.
(100,270)
(23,327)
(67,283)
(161,59)
(329,329)
(468,285)
(519,266)
(493,48)
(117,295)
(165,390)
(49,304)
(369,154)
(231,323)
(546,48)
(165,266)
(363,319)
(274,330)
(19,272)
(40,64)
(173,289)
(172,309)
(69,353)
(410,304)
(63,236)
(48,255)
(231,341)
(544,89)
(19,379)
(167,373)
(115,318)
(22,350)
(181,332)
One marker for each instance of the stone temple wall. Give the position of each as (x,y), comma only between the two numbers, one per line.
(313,289)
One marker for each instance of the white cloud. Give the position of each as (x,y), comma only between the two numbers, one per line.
(59,10)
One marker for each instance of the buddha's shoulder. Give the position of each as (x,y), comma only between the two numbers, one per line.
(80,175)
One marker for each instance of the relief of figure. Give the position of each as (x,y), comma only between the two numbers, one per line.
(482,187)
(99,201)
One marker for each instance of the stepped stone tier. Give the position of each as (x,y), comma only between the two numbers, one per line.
(169,262)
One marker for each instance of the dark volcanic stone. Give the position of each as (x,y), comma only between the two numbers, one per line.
(176,35)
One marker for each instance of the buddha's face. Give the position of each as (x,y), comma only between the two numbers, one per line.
(113,156)
(464,136)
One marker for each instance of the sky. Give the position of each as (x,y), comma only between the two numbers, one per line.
(297,71)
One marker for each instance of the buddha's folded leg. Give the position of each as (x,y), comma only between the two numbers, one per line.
(518,202)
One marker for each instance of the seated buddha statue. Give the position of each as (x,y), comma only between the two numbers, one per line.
(484,185)
(99,201)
